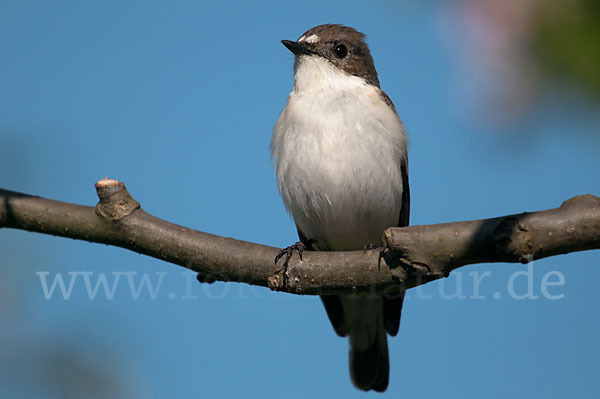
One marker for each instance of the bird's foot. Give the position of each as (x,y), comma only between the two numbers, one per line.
(288,252)
(381,252)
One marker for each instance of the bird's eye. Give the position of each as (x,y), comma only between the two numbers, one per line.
(341,51)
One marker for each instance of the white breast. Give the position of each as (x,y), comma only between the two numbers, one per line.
(337,148)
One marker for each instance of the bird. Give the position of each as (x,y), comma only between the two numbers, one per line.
(340,154)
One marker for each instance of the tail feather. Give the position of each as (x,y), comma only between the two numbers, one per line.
(392,310)
(370,368)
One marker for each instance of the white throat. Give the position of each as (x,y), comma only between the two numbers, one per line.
(314,73)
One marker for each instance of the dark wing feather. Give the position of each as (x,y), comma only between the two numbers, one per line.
(333,307)
(405,210)
(308,244)
(392,306)
(387,100)
(332,303)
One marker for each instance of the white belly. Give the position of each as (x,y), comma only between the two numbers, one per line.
(337,158)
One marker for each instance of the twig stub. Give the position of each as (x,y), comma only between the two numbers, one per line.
(115,201)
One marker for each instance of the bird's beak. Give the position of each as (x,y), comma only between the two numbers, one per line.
(297,48)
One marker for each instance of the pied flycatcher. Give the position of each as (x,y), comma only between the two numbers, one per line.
(342,169)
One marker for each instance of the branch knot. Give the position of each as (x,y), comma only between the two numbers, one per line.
(115,201)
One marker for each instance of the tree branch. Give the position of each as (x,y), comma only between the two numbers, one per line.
(416,255)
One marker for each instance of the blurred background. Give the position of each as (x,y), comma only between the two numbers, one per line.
(501,101)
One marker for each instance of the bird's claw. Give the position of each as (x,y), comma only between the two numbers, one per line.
(288,252)
(381,252)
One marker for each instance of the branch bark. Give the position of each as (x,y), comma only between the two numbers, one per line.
(416,255)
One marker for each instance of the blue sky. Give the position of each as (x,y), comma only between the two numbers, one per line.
(178,102)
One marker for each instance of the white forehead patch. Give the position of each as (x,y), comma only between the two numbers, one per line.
(311,39)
